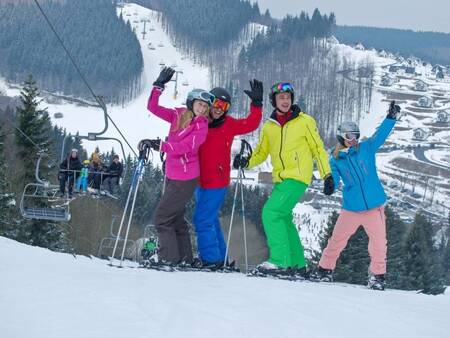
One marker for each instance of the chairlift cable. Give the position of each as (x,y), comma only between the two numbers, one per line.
(81,74)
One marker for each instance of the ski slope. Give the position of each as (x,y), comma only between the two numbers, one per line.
(44,294)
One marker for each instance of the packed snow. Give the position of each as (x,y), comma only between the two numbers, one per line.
(44,294)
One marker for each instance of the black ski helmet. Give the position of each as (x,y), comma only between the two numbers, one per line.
(285,88)
(344,128)
(221,94)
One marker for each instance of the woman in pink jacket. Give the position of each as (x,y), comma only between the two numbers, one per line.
(188,129)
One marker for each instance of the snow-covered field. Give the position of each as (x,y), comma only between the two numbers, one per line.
(44,294)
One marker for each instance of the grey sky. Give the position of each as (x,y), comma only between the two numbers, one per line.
(430,15)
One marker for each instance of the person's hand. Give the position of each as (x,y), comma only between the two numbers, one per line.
(256,92)
(155,144)
(328,185)
(240,161)
(393,111)
(164,77)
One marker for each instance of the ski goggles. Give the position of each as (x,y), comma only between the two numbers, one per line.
(220,104)
(207,97)
(282,87)
(350,136)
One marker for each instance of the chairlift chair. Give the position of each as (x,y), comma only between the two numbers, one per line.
(34,203)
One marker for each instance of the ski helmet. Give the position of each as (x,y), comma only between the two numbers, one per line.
(280,87)
(198,94)
(221,94)
(347,130)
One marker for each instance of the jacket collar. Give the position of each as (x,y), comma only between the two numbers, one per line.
(295,112)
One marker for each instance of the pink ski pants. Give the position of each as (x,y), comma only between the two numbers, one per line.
(374,223)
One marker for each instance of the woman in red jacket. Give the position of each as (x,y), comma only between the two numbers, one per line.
(215,158)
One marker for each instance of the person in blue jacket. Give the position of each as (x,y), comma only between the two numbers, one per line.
(353,162)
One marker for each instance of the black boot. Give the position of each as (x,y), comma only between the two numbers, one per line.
(322,275)
(376,282)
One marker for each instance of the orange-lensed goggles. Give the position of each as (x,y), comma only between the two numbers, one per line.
(220,104)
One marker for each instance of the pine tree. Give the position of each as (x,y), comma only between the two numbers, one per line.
(6,197)
(35,131)
(396,233)
(35,128)
(423,269)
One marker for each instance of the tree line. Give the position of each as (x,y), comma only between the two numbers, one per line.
(103,45)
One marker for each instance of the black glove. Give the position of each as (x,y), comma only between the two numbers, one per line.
(256,92)
(328,185)
(394,109)
(164,77)
(154,144)
(240,161)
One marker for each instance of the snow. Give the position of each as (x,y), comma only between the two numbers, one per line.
(44,294)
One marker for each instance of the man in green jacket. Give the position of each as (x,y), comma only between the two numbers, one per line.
(292,140)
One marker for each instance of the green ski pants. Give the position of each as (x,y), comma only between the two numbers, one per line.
(285,248)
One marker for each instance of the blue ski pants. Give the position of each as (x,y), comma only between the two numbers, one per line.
(210,242)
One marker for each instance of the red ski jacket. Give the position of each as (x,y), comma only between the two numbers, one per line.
(215,152)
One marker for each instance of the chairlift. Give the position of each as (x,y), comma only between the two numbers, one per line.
(58,115)
(95,137)
(160,44)
(173,65)
(106,246)
(151,29)
(185,83)
(161,63)
(34,203)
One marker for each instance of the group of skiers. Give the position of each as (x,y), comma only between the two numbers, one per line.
(90,173)
(198,150)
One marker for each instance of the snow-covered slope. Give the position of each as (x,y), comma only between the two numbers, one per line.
(44,294)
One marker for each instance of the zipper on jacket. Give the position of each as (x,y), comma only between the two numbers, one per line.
(298,163)
(360,182)
(281,147)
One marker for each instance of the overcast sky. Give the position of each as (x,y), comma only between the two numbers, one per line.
(430,15)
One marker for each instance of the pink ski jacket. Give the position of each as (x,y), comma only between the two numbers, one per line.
(182,145)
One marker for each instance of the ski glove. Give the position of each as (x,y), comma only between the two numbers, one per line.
(256,92)
(394,109)
(154,144)
(328,185)
(164,77)
(240,161)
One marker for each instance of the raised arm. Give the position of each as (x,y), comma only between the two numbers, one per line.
(248,124)
(167,114)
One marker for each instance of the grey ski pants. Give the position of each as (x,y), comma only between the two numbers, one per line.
(173,232)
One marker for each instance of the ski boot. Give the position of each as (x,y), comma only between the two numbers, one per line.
(322,275)
(376,282)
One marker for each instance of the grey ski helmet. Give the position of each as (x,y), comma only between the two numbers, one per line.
(199,94)
(347,130)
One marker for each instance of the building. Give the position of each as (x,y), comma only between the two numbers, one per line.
(425,102)
(443,116)
(420,134)
(420,86)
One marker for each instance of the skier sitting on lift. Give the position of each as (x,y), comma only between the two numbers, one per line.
(69,171)
(113,174)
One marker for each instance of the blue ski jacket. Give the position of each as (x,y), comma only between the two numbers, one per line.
(357,168)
